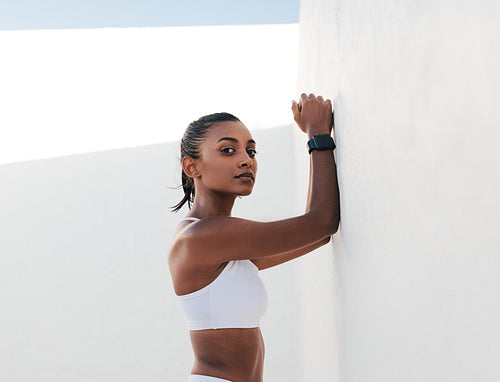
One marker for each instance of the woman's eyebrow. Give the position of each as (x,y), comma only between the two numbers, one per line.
(234,140)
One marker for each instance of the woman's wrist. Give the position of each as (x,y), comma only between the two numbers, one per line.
(312,133)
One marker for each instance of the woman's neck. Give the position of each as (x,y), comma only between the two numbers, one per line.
(206,206)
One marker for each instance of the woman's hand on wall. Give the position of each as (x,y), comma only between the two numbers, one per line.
(313,115)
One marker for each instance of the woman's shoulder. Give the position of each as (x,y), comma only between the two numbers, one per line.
(200,237)
(188,259)
(190,230)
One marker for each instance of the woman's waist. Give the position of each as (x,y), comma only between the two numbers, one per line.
(229,349)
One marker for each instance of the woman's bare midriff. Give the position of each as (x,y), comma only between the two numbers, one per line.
(233,354)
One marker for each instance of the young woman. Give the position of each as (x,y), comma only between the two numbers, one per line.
(214,258)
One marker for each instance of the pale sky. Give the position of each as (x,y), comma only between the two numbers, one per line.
(79,14)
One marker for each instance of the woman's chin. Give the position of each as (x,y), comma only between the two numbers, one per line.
(245,193)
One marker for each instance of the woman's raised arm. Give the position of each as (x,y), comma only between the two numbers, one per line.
(220,239)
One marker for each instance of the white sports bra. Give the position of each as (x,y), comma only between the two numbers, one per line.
(237,298)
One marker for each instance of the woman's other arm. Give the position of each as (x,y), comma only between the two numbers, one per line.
(272,261)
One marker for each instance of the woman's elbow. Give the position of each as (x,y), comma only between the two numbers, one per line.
(325,225)
(334,226)
(333,221)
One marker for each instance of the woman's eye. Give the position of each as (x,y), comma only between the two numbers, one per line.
(227,150)
(252,152)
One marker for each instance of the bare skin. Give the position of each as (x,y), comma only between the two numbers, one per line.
(200,250)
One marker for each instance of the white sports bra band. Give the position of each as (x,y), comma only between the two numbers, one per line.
(237,298)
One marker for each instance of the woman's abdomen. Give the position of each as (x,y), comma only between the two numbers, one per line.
(229,353)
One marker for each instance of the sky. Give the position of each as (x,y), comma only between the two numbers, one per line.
(79,14)
(86,89)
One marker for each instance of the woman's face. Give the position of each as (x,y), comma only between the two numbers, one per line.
(227,162)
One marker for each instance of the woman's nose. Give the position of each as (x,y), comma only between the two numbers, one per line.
(246,161)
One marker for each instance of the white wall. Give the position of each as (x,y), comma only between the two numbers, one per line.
(85,289)
(416,269)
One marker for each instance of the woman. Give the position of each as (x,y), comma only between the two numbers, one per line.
(214,258)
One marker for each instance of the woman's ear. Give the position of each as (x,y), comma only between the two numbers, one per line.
(189,167)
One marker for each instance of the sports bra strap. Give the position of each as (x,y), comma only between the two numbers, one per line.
(189,218)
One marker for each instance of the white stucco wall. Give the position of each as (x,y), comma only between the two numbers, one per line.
(415,276)
(85,289)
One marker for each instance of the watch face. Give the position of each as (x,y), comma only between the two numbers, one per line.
(323,140)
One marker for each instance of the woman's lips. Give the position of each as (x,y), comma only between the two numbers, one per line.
(245,176)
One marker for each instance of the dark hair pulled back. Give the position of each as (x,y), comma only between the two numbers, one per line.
(190,147)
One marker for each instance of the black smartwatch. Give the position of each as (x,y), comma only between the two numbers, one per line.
(321,142)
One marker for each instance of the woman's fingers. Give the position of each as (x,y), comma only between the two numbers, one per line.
(311,97)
